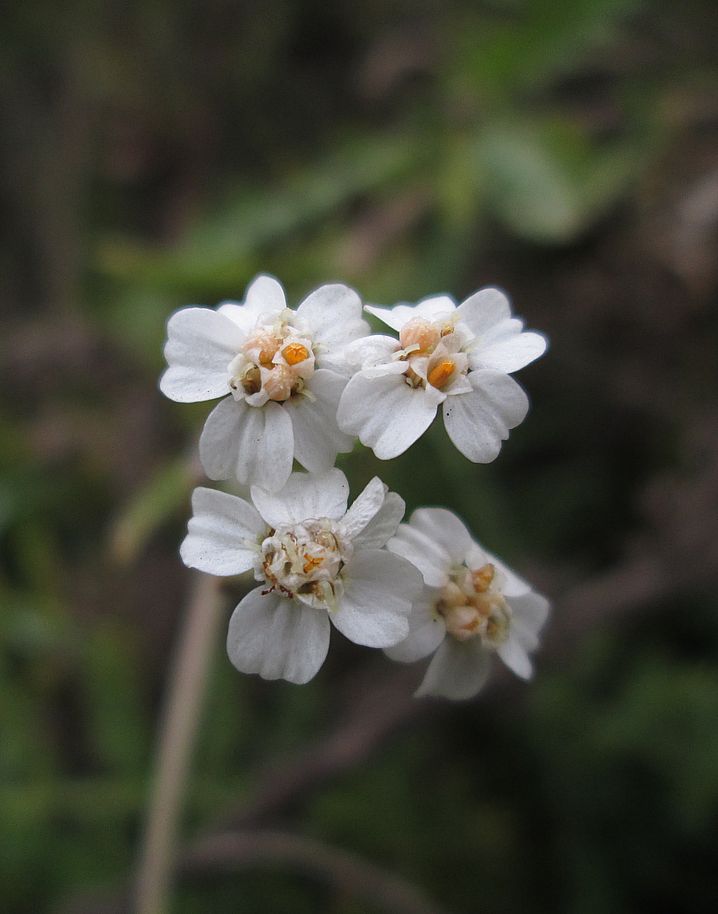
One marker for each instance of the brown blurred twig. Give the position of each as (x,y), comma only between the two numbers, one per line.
(188,680)
(344,871)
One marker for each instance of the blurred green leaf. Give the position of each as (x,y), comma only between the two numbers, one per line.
(546,182)
(166,490)
(536,41)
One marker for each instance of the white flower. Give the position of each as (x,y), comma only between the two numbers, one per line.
(459,357)
(471,606)
(283,370)
(315,560)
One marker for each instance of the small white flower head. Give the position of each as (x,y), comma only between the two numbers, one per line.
(315,561)
(457,358)
(472,606)
(281,373)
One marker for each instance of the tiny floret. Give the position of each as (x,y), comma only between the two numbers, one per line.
(279,371)
(315,562)
(472,606)
(459,358)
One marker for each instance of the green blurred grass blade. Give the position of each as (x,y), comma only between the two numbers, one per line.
(223,249)
(149,508)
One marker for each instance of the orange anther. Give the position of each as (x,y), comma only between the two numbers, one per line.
(310,563)
(440,374)
(294,353)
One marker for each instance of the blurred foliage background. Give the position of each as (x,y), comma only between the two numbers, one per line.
(162,152)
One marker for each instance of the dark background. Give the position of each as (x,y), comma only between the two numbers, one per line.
(161,153)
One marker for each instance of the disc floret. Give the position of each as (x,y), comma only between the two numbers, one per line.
(305,561)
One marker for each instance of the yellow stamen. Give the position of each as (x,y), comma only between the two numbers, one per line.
(483,577)
(294,353)
(311,563)
(440,374)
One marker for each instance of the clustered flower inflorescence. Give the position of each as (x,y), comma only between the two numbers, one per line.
(301,385)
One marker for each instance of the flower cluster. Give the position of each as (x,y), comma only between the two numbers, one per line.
(300,385)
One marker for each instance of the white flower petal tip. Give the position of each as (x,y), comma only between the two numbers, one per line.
(386,413)
(472,606)
(305,496)
(281,372)
(479,422)
(316,564)
(277,639)
(224,534)
(200,344)
(460,357)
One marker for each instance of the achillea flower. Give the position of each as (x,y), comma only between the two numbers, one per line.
(281,373)
(471,607)
(460,358)
(315,560)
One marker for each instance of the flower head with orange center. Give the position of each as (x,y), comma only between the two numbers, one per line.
(284,371)
(316,563)
(472,606)
(459,358)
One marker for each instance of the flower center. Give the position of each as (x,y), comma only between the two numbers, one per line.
(434,351)
(473,606)
(274,363)
(305,561)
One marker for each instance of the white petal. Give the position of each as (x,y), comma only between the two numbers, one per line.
(445,528)
(484,309)
(429,308)
(457,670)
(255,444)
(317,437)
(429,556)
(239,314)
(386,368)
(515,657)
(223,533)
(477,423)
(384,523)
(510,352)
(365,506)
(370,350)
(277,637)
(426,630)
(386,413)
(306,496)
(218,443)
(264,299)
(333,314)
(530,612)
(378,592)
(265,295)
(434,307)
(200,345)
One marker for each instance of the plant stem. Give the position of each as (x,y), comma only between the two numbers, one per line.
(180,722)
